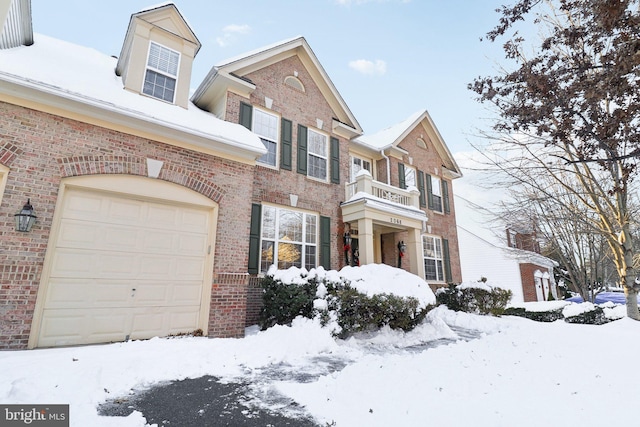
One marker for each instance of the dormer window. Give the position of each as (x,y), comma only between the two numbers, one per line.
(161,73)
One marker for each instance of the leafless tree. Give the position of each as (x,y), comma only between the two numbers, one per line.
(572,106)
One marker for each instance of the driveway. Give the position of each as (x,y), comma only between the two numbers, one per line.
(251,401)
(203,402)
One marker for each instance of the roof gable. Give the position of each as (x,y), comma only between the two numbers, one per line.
(230,73)
(168,17)
(393,135)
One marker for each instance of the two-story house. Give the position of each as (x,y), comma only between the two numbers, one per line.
(129,209)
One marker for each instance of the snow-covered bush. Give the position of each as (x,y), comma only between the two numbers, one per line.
(352,300)
(474,297)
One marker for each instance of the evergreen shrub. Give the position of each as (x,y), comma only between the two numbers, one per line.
(352,310)
(476,300)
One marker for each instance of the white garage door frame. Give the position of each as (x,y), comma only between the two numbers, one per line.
(139,188)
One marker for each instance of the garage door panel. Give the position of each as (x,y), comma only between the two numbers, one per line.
(77,234)
(90,293)
(83,205)
(192,244)
(155,321)
(71,263)
(123,211)
(83,326)
(163,216)
(194,220)
(190,268)
(187,293)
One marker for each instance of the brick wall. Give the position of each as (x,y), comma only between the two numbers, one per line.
(528,281)
(41,149)
(429,161)
(275,186)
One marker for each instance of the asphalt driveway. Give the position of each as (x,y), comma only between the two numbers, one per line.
(204,402)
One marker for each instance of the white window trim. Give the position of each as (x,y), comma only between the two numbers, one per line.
(408,169)
(353,157)
(436,191)
(441,259)
(276,141)
(164,73)
(276,241)
(327,158)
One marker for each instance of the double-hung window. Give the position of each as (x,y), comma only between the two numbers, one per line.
(161,73)
(358,164)
(433,258)
(436,193)
(409,177)
(288,238)
(265,125)
(317,155)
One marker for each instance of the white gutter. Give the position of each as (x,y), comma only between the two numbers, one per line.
(388,166)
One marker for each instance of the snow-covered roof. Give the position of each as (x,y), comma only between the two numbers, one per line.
(388,136)
(255,52)
(228,71)
(393,135)
(58,70)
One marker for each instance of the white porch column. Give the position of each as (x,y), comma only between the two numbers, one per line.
(365,241)
(414,249)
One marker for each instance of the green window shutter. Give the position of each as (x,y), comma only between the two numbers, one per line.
(246,112)
(325,242)
(302,150)
(445,196)
(335,160)
(254,238)
(423,198)
(285,145)
(446,260)
(401,183)
(427,178)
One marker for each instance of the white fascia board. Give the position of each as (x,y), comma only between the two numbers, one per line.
(38,93)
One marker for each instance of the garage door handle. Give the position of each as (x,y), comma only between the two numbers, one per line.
(133,292)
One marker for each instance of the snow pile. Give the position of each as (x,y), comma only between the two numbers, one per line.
(370,279)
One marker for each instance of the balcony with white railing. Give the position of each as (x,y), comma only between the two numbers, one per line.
(367,187)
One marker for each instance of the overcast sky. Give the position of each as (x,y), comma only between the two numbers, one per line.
(387,58)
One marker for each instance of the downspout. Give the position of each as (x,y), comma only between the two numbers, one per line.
(388,166)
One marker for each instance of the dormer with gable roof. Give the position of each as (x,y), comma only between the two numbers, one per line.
(157,55)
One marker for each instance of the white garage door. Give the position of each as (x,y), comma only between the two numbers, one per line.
(124,268)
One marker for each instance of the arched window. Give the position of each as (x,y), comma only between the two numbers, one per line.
(420,143)
(294,82)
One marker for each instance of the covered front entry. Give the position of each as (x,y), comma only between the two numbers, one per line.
(373,219)
(128,258)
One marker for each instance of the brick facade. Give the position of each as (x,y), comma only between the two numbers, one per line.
(40,149)
(429,161)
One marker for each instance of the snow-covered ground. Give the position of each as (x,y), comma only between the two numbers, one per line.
(518,372)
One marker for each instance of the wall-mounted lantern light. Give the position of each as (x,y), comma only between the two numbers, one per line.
(25,218)
(347,247)
(402,248)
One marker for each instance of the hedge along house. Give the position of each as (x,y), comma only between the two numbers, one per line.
(137,192)
(398,207)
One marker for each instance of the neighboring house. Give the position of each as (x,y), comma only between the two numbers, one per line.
(512,262)
(157,212)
